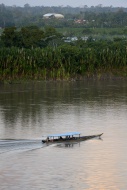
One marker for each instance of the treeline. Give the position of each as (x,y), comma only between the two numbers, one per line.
(95,16)
(29,37)
(64,62)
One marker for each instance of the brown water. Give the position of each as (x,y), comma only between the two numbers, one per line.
(30,111)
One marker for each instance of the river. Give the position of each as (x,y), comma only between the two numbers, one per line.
(30,111)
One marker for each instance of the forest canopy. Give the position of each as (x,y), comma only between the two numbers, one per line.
(97,16)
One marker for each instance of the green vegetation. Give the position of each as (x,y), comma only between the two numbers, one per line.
(35,48)
(28,37)
(64,62)
(97,33)
(97,17)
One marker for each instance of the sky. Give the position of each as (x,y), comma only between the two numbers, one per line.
(73,3)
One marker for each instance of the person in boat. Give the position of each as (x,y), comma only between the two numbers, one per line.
(68,137)
(73,137)
(47,139)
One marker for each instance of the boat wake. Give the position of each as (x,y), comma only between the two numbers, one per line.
(9,145)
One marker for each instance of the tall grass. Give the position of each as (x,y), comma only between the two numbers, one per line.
(64,62)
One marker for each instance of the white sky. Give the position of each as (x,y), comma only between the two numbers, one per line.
(73,3)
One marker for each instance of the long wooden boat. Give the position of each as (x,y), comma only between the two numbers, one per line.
(69,137)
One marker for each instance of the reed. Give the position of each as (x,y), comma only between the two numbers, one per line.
(64,62)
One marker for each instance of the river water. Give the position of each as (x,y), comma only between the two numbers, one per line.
(31,110)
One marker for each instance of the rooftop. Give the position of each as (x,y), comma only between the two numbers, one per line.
(64,134)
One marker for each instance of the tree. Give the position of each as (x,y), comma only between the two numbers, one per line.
(27,5)
(6,17)
(31,36)
(51,37)
(8,36)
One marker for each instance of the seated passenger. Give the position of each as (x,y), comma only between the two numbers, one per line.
(47,139)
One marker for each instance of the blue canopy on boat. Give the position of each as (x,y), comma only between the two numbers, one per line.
(64,134)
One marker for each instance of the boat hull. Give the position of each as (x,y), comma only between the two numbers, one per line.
(74,139)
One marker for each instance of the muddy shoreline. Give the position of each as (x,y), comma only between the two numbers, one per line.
(97,77)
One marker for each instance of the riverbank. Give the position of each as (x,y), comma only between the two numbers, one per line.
(94,77)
